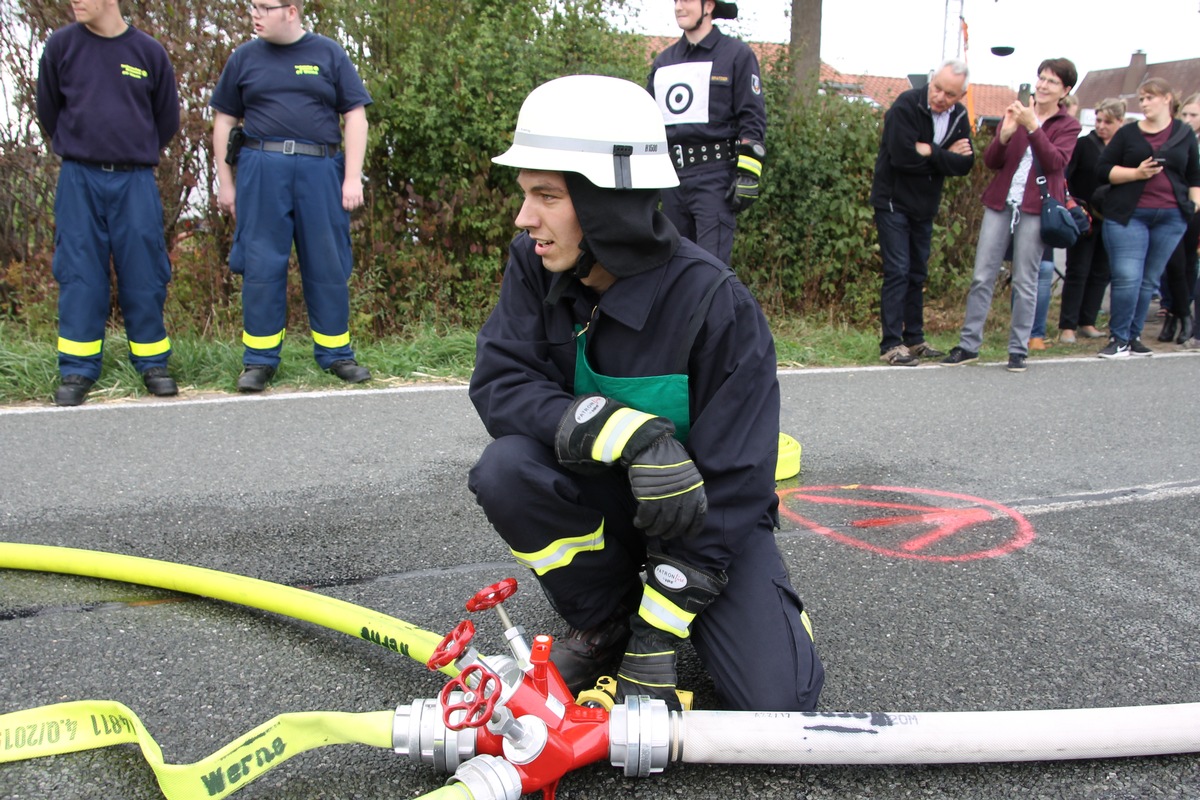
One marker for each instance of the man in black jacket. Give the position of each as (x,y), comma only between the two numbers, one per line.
(926,136)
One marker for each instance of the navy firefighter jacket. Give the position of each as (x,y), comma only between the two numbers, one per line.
(525,371)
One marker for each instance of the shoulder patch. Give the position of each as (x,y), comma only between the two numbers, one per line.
(755,84)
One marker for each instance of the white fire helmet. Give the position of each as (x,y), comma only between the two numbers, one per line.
(608,130)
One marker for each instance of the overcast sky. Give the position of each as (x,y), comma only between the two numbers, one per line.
(898,37)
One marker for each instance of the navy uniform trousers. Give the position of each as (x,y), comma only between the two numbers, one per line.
(751,639)
(101,214)
(698,208)
(283,199)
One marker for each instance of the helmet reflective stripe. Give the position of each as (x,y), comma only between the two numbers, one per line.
(561,552)
(660,612)
(606,129)
(151,349)
(613,437)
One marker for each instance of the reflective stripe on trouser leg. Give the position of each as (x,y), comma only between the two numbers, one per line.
(555,517)
(263,244)
(326,260)
(142,268)
(80,265)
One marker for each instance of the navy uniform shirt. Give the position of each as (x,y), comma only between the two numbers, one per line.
(710,91)
(525,372)
(107,99)
(292,91)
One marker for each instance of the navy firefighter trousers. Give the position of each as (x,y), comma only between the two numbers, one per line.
(751,640)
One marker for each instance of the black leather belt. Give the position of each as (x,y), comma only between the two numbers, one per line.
(290,147)
(107,167)
(693,155)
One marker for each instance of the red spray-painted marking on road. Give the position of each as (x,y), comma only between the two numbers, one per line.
(935,525)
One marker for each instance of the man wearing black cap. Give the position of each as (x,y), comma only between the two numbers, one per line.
(629,381)
(709,90)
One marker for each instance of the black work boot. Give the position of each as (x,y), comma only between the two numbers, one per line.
(72,390)
(254,377)
(582,656)
(159,382)
(350,371)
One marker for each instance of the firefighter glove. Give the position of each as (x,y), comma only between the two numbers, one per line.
(743,190)
(672,598)
(597,431)
(669,490)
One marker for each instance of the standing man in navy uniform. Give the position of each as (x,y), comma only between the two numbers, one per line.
(709,90)
(629,380)
(107,101)
(294,183)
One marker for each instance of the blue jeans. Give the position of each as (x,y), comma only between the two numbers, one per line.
(1137,253)
(904,244)
(1045,282)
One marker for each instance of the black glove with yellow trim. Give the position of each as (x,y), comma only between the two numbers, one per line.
(597,431)
(743,191)
(673,596)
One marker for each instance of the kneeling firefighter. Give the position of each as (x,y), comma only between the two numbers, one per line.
(629,382)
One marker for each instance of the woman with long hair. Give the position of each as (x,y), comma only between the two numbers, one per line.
(1154,170)
(1087,261)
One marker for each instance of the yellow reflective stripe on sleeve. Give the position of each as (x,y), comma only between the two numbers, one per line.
(561,552)
(262,342)
(81,349)
(152,349)
(807,625)
(660,612)
(91,724)
(616,432)
(341,340)
(750,164)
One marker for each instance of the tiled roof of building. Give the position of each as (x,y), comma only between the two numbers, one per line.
(1099,84)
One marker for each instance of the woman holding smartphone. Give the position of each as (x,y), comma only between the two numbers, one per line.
(1034,139)
(1154,170)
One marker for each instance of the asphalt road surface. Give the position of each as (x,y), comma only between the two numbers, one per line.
(966,539)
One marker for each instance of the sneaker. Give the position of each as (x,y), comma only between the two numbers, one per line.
(1115,349)
(959,356)
(1136,348)
(1190,344)
(923,350)
(899,356)
(1016,362)
(582,656)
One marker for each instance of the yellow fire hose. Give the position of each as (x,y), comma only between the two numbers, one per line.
(89,724)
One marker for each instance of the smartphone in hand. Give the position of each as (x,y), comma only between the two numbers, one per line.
(1023,94)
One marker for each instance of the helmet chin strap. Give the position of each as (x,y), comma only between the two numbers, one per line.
(700,21)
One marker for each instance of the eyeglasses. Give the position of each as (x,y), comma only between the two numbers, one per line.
(257,11)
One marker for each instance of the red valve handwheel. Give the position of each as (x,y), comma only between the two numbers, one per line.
(492,596)
(452,646)
(478,703)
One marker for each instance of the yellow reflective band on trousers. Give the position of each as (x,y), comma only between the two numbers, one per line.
(81,349)
(561,552)
(91,724)
(616,432)
(341,340)
(152,349)
(262,342)
(660,612)
(750,164)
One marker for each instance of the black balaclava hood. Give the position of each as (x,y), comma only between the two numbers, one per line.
(623,229)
